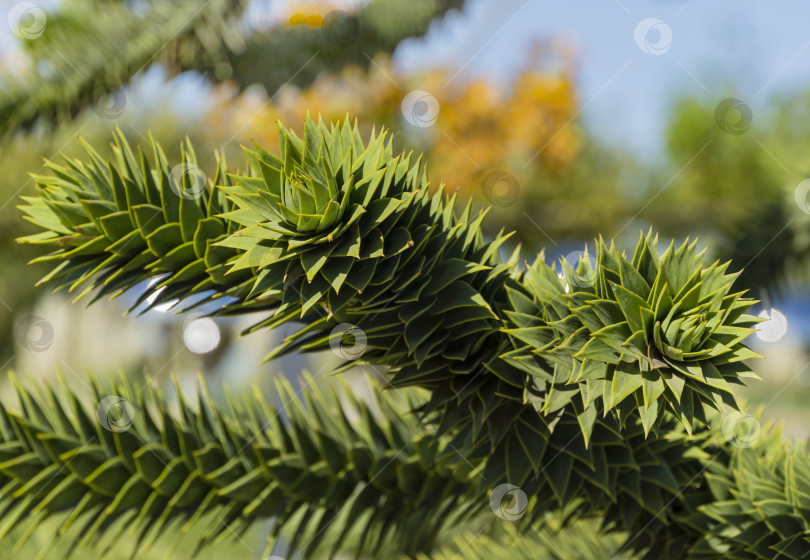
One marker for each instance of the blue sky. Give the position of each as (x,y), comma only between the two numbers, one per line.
(751,49)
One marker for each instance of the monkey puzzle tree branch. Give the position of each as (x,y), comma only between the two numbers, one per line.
(336,231)
(321,466)
(592,392)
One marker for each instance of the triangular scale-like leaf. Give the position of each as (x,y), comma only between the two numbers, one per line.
(624,383)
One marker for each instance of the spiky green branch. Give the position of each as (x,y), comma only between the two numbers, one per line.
(125,464)
(650,334)
(115,226)
(336,231)
(554,390)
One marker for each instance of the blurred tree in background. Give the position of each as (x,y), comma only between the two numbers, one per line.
(721,182)
(733,178)
(84,52)
(89,50)
(84,68)
(516,147)
(318,38)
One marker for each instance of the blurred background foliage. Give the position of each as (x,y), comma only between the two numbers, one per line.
(223,71)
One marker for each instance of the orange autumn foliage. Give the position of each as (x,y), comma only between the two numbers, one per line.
(480,127)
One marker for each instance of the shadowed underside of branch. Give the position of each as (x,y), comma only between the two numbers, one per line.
(326,468)
(322,467)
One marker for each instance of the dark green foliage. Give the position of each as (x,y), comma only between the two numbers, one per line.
(761,503)
(648,334)
(125,464)
(594,392)
(118,225)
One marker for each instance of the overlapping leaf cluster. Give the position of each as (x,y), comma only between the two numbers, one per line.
(650,334)
(339,232)
(390,258)
(760,505)
(335,230)
(634,484)
(113,226)
(538,375)
(124,464)
(317,218)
